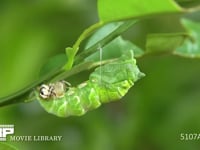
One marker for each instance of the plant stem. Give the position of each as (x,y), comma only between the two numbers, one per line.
(86,33)
(72,51)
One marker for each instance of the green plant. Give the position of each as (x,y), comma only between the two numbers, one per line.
(116,18)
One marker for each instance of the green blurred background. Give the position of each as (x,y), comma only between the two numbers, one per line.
(151,116)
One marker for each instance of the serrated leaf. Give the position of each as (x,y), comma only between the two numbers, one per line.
(191,46)
(111,10)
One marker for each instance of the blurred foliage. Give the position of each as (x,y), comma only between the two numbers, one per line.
(7,147)
(32,31)
(151,116)
(191,47)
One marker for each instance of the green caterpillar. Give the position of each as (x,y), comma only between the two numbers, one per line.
(107,83)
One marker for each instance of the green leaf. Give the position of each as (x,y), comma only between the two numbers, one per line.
(5,146)
(111,10)
(103,32)
(191,46)
(53,64)
(103,36)
(70,52)
(163,43)
(115,49)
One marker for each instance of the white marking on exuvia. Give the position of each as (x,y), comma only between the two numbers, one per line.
(64,105)
(92,90)
(78,99)
(53,106)
(119,91)
(66,108)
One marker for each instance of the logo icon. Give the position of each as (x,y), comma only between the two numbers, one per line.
(6,130)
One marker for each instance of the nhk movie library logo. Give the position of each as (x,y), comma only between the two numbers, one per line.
(6,130)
